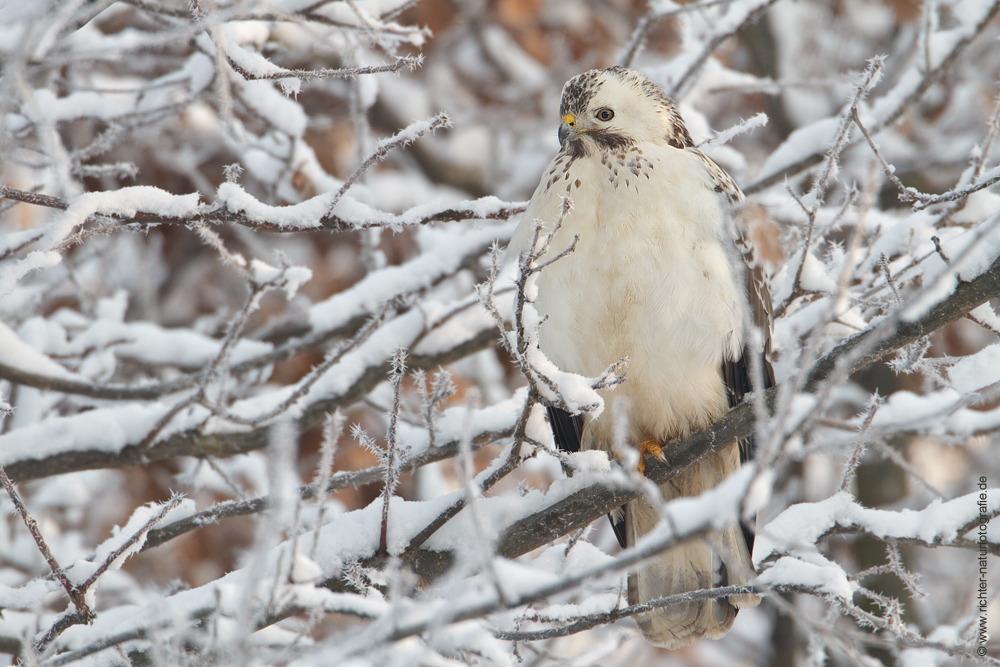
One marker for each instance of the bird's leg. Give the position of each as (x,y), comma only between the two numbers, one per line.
(650,448)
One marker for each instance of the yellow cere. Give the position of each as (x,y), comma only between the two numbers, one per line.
(569,119)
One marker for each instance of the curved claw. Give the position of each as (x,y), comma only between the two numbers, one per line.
(650,448)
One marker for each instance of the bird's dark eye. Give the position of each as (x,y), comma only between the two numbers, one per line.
(604,114)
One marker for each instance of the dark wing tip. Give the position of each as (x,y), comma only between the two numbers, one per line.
(566,428)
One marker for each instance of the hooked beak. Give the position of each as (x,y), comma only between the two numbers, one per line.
(563,134)
(567,127)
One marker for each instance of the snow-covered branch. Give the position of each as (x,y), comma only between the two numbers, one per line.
(222,224)
(237,207)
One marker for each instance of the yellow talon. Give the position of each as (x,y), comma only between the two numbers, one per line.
(650,448)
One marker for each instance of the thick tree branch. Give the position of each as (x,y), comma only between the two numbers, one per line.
(195,442)
(290,340)
(553,522)
(337,481)
(591,503)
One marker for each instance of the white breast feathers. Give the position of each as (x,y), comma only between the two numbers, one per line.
(651,279)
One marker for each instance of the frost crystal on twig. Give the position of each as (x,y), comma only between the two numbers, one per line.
(431,398)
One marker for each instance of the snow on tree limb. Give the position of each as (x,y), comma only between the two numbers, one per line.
(211,253)
(242,209)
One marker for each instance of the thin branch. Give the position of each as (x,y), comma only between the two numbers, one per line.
(393,457)
(115,392)
(852,464)
(195,442)
(402,62)
(510,464)
(164,510)
(604,618)
(35,236)
(215,367)
(131,634)
(441,390)
(333,427)
(402,138)
(74,593)
(336,481)
(314,376)
(983,149)
(684,83)
(986,325)
(819,189)
(524,342)
(908,194)
(928,80)
(329,222)
(302,342)
(652,18)
(942,538)
(62,623)
(871,77)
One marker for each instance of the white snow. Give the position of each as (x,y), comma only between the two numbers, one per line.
(800,526)
(826,579)
(15,353)
(133,91)
(972,373)
(105,430)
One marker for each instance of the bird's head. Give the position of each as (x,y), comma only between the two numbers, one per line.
(617,107)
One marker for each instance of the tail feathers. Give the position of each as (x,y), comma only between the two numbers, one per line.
(679,570)
(722,559)
(739,565)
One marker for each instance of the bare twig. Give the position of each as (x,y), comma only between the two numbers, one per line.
(908,194)
(441,390)
(165,509)
(339,480)
(304,341)
(75,594)
(986,325)
(401,138)
(884,265)
(402,62)
(23,244)
(654,17)
(871,77)
(899,108)
(525,339)
(589,621)
(797,289)
(511,463)
(194,442)
(818,191)
(332,358)
(333,427)
(982,151)
(686,80)
(939,250)
(215,367)
(393,457)
(850,470)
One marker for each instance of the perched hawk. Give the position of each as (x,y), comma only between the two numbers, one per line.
(661,275)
